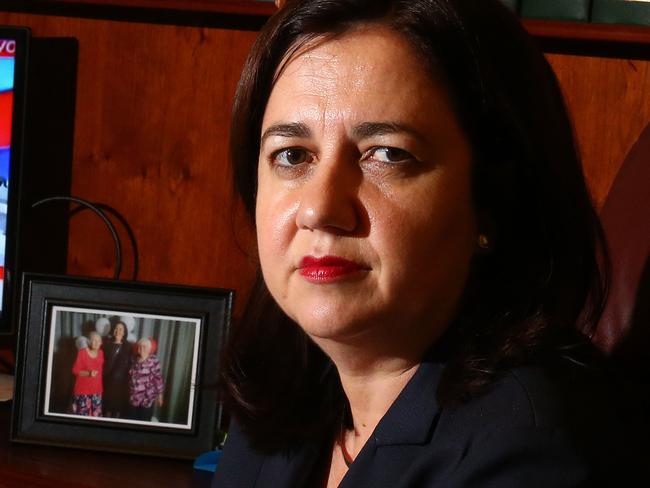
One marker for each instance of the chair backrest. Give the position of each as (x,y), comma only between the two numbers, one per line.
(624,329)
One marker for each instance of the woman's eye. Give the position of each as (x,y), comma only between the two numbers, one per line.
(389,155)
(290,157)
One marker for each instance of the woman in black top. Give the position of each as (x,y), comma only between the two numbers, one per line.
(428,254)
(117,360)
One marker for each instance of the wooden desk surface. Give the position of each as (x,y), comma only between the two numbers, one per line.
(32,466)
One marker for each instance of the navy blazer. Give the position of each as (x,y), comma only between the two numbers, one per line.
(530,430)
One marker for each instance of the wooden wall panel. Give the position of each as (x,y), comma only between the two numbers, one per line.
(609,100)
(151,130)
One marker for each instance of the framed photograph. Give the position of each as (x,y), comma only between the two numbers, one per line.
(119,366)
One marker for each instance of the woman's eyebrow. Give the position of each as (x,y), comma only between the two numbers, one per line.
(360,132)
(370,129)
(290,129)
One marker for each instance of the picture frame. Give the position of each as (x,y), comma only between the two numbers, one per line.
(74,335)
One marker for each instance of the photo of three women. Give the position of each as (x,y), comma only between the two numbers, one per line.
(116,379)
(110,365)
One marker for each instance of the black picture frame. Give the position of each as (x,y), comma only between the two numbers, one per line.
(50,305)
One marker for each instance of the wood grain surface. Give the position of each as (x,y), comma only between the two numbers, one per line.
(246,7)
(609,101)
(152,115)
(558,29)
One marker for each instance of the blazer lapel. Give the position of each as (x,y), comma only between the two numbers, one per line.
(404,430)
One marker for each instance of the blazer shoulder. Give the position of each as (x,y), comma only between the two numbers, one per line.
(239,465)
(536,397)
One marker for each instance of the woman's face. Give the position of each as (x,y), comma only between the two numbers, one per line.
(364,216)
(95,342)
(144,349)
(118,333)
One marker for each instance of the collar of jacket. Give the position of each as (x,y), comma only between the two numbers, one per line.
(410,418)
(408,423)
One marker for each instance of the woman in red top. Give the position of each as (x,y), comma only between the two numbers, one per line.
(87,393)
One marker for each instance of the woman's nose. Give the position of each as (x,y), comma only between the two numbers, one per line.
(329,198)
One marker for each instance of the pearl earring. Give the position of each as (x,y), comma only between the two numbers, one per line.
(483,241)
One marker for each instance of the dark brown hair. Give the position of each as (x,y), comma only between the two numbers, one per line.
(523,298)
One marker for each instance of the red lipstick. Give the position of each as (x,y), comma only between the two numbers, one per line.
(327,269)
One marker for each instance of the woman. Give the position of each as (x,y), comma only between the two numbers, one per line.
(88,388)
(427,246)
(146,383)
(117,354)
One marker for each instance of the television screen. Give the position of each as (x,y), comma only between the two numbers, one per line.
(13,56)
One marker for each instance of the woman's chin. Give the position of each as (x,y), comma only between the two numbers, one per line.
(323,324)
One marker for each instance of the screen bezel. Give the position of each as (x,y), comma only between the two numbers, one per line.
(22,37)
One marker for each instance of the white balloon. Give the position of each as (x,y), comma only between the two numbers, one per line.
(103,326)
(81,342)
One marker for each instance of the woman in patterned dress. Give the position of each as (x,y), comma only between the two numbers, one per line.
(146,384)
